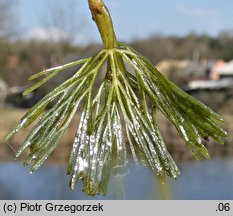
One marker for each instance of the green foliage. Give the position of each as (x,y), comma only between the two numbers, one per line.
(116,121)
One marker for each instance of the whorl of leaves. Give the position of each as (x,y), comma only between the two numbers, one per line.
(117,120)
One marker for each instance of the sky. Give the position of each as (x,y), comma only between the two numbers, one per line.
(133,19)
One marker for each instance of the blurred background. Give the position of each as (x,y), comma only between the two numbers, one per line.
(190,42)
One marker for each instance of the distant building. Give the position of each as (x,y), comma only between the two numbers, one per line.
(215,90)
(215,69)
(181,71)
(213,93)
(209,84)
(226,71)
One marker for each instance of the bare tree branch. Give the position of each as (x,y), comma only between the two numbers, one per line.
(7,19)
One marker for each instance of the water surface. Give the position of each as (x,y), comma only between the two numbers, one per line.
(198,180)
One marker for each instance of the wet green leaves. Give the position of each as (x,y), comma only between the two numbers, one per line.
(118,121)
(193,120)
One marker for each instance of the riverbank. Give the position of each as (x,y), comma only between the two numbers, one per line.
(175,145)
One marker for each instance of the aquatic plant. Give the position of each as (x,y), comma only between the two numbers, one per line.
(117,121)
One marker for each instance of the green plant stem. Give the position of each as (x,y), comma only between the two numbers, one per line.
(103,20)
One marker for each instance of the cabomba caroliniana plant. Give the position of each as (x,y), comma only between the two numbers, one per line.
(116,120)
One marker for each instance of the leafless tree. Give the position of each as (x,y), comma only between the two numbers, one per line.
(65,17)
(63,22)
(7,19)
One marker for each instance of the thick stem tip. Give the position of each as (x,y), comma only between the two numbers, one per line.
(102,18)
